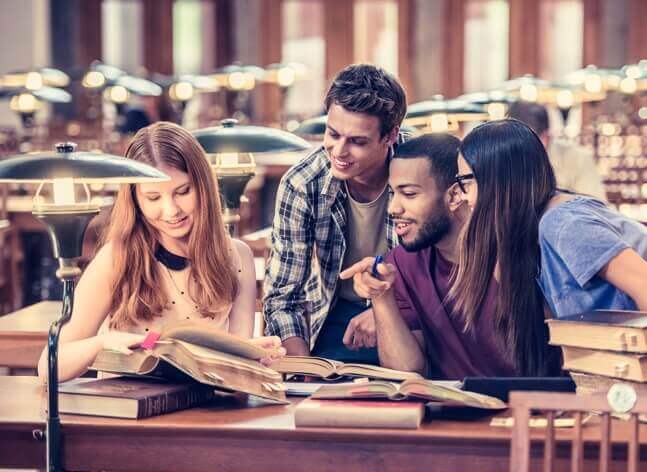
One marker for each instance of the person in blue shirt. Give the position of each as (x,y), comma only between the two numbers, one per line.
(537,240)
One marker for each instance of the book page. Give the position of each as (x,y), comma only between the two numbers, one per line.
(219,340)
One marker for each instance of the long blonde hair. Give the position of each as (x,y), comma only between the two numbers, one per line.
(213,284)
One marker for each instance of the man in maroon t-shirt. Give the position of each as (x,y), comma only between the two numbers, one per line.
(416,328)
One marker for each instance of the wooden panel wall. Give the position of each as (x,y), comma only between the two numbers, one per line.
(452,47)
(338,33)
(637,47)
(524,37)
(158,36)
(592,23)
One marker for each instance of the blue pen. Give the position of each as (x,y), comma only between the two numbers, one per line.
(378,260)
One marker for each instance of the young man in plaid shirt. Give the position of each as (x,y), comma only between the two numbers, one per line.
(331,211)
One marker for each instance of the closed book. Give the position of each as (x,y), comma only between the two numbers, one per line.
(589,384)
(624,366)
(359,414)
(135,398)
(612,330)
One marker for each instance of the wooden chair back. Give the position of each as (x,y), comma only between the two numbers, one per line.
(523,403)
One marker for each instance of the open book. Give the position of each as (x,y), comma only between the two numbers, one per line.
(412,389)
(208,355)
(330,370)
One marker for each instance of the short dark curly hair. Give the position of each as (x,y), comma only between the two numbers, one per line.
(365,88)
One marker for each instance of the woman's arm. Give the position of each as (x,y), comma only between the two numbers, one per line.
(628,272)
(79,343)
(241,317)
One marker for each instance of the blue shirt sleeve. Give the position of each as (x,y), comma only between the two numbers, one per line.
(584,242)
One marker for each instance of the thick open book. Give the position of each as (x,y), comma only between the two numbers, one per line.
(331,370)
(208,355)
(130,397)
(613,330)
(413,389)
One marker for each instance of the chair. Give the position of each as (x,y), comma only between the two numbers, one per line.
(6,298)
(523,403)
(259,242)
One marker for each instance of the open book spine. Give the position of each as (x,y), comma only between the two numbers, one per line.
(226,375)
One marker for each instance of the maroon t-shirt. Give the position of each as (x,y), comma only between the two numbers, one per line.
(422,283)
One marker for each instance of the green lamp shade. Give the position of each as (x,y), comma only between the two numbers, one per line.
(139,86)
(83,167)
(231,138)
(449,107)
(312,126)
(317,127)
(485,98)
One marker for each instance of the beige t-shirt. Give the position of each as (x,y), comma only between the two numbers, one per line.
(365,236)
(179,308)
(575,168)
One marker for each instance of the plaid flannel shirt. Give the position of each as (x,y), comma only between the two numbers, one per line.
(308,245)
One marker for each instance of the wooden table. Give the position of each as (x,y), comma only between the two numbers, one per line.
(23,334)
(261,438)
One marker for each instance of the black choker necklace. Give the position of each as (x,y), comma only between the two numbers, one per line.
(170,260)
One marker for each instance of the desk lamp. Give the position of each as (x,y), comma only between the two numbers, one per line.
(66,209)
(439,115)
(313,129)
(496,102)
(230,149)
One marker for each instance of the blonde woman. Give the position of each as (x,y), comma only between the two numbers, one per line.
(166,257)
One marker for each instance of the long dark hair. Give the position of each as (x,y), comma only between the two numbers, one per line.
(515,184)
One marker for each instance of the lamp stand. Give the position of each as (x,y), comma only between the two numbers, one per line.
(232,188)
(53,435)
(66,230)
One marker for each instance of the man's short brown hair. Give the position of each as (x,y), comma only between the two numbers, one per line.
(364,88)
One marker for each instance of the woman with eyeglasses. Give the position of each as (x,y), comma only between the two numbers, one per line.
(539,243)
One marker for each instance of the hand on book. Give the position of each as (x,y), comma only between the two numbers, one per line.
(121,341)
(364,283)
(360,331)
(272,344)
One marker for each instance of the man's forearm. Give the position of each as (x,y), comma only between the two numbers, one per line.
(296,346)
(397,347)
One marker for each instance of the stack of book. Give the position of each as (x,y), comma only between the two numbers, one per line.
(603,347)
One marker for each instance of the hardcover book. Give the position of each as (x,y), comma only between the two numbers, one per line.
(358,414)
(213,357)
(613,330)
(134,398)
(331,370)
(625,366)
(588,384)
(413,389)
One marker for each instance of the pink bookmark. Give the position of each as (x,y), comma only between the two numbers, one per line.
(150,340)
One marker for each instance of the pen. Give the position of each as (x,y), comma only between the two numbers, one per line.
(378,260)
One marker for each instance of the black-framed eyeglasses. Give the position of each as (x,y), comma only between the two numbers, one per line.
(460,178)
